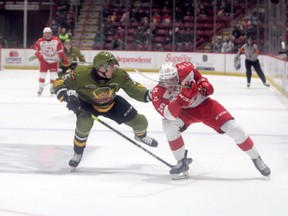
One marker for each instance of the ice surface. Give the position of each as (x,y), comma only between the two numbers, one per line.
(116,178)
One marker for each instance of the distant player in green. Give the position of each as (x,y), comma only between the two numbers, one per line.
(92,90)
(73,55)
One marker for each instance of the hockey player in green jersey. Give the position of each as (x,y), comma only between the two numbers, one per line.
(73,55)
(91,90)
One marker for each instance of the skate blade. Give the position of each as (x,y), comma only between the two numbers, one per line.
(73,169)
(267,178)
(184,175)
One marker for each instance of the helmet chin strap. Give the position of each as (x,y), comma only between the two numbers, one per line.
(103,73)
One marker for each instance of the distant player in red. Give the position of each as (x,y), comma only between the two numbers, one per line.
(182,98)
(48,50)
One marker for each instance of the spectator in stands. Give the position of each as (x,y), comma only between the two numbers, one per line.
(55,26)
(134,17)
(143,13)
(148,37)
(145,21)
(156,18)
(116,43)
(169,38)
(114,17)
(121,33)
(106,11)
(139,37)
(227,45)
(118,3)
(187,37)
(236,32)
(244,24)
(201,10)
(99,40)
(254,17)
(178,39)
(217,44)
(125,18)
(166,18)
(63,36)
(109,28)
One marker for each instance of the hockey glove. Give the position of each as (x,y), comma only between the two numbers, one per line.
(185,96)
(72,100)
(204,87)
(73,65)
(148,96)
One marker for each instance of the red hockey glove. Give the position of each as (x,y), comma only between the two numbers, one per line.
(185,96)
(204,87)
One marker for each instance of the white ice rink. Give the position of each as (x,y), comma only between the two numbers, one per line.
(116,178)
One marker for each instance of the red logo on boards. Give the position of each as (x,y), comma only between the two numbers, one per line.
(13,57)
(13,53)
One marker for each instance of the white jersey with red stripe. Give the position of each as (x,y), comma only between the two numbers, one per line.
(50,49)
(161,97)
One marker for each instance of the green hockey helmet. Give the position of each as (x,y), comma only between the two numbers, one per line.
(105,59)
(67,42)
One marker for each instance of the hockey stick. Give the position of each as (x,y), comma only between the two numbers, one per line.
(131,141)
(137,71)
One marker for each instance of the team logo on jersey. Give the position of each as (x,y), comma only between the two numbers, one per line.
(103,95)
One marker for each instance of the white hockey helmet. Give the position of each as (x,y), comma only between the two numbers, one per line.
(168,71)
(47,29)
(168,76)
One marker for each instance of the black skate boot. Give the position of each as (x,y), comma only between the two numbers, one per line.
(261,166)
(147,140)
(74,162)
(182,166)
(266,84)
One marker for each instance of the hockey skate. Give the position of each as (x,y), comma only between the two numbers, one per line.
(147,140)
(266,84)
(261,166)
(74,162)
(182,166)
(40,90)
(52,91)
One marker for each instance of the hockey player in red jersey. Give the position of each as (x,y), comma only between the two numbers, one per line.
(182,98)
(48,50)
